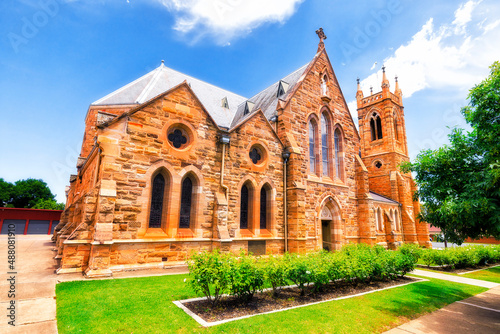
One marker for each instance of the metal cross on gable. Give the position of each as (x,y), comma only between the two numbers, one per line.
(321,34)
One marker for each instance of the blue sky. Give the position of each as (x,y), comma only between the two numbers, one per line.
(58,56)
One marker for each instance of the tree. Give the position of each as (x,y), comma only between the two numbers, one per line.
(26,193)
(6,191)
(459,183)
(48,204)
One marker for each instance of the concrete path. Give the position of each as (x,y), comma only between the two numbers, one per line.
(457,279)
(478,314)
(36,281)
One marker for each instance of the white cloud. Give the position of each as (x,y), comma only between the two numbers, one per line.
(463,15)
(453,55)
(226,19)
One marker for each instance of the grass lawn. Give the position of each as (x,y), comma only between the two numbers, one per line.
(490,274)
(144,305)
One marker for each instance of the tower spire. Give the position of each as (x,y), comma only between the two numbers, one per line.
(397,91)
(359,94)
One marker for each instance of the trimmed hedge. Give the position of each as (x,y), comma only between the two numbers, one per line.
(461,257)
(213,274)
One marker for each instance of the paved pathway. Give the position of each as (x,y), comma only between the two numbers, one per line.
(36,281)
(477,314)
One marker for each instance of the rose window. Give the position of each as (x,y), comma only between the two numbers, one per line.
(177,138)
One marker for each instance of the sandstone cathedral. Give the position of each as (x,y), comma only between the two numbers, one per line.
(170,164)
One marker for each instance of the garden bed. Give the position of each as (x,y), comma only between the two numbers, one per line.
(232,308)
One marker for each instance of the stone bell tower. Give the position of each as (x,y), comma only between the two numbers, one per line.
(383,148)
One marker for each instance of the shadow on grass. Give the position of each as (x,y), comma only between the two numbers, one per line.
(426,297)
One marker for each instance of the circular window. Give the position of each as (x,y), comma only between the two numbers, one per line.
(256,155)
(378,164)
(178,137)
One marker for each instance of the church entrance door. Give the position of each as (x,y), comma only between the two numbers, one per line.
(326,231)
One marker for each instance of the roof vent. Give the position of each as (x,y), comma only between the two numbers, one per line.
(225,104)
(248,107)
(282,88)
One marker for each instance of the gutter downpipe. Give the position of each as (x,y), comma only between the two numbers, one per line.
(224,139)
(286,156)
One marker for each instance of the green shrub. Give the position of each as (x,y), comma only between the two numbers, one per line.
(318,265)
(275,273)
(411,250)
(210,274)
(298,271)
(246,277)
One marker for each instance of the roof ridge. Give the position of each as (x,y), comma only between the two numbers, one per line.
(207,83)
(277,82)
(152,82)
(119,90)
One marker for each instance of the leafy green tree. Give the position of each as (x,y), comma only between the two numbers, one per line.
(459,183)
(48,204)
(28,192)
(6,191)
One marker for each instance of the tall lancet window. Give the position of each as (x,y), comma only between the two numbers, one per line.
(244,208)
(156,207)
(186,199)
(376,126)
(337,138)
(324,144)
(312,148)
(263,209)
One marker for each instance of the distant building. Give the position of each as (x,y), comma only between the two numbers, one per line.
(171,164)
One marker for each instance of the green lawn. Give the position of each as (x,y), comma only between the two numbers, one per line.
(144,305)
(491,274)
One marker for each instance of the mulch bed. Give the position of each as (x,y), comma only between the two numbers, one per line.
(263,302)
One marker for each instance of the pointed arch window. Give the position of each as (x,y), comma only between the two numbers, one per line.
(396,133)
(157,196)
(324,144)
(244,207)
(337,138)
(263,208)
(186,201)
(376,126)
(312,148)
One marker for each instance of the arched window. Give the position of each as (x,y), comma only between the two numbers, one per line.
(186,201)
(376,126)
(396,220)
(396,133)
(337,138)
(156,207)
(376,219)
(244,207)
(324,144)
(380,219)
(263,208)
(312,148)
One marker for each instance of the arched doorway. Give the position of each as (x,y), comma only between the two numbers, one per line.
(327,229)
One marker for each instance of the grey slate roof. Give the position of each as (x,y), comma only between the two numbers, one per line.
(380,198)
(267,100)
(162,79)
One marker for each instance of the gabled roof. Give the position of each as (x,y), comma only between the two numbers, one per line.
(163,79)
(381,198)
(267,100)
